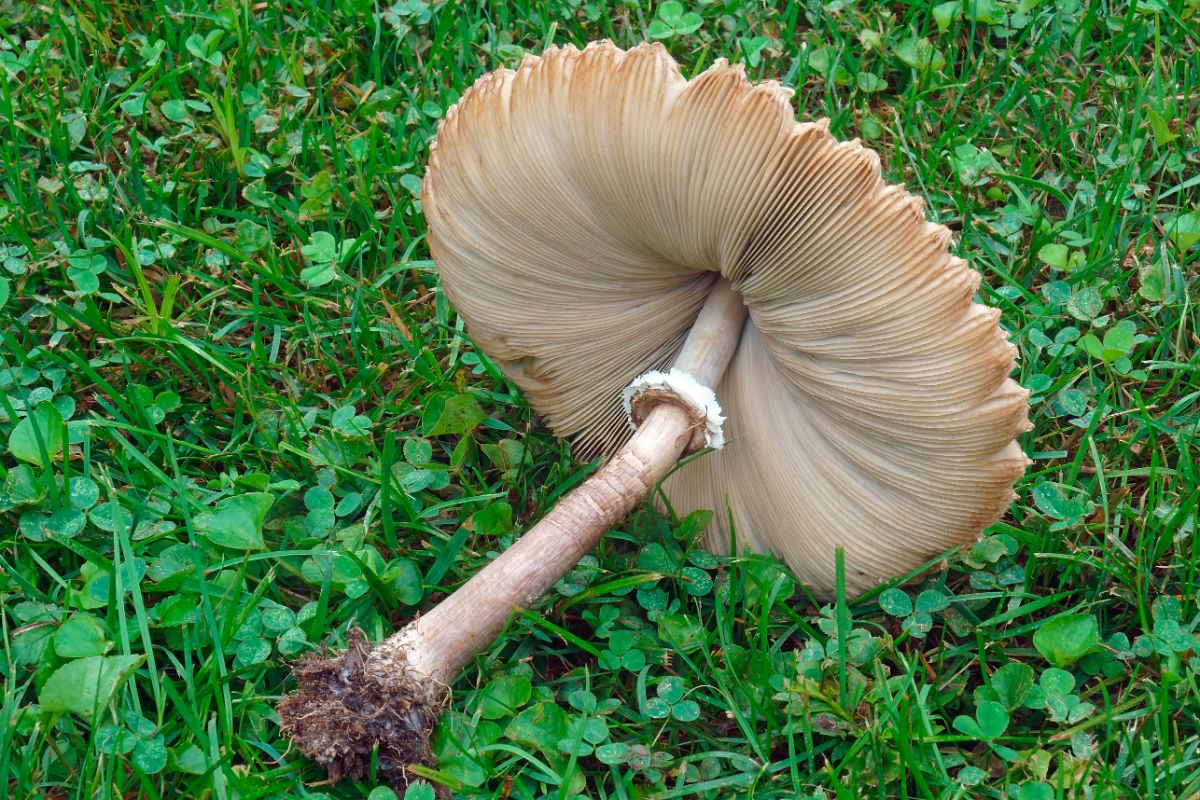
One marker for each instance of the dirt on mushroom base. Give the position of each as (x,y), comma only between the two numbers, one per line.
(342,711)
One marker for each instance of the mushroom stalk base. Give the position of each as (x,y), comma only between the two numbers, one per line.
(389,696)
(348,707)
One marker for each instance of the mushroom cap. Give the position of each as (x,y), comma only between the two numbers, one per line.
(581,207)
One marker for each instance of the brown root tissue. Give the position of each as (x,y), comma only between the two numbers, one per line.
(343,710)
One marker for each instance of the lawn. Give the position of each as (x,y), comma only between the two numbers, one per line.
(238,416)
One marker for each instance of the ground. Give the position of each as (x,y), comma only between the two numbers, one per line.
(237,416)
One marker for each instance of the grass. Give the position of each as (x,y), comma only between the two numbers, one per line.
(226,366)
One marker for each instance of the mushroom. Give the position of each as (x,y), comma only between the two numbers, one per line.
(634,248)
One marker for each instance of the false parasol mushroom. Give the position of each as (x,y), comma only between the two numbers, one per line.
(631,246)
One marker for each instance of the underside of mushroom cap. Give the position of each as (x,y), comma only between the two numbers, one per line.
(580,209)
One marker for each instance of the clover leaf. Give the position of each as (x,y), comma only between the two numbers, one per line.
(674,21)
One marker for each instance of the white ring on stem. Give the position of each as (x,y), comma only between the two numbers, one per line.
(682,389)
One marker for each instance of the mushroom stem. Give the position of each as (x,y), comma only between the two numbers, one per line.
(419,660)
(441,642)
(714,335)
